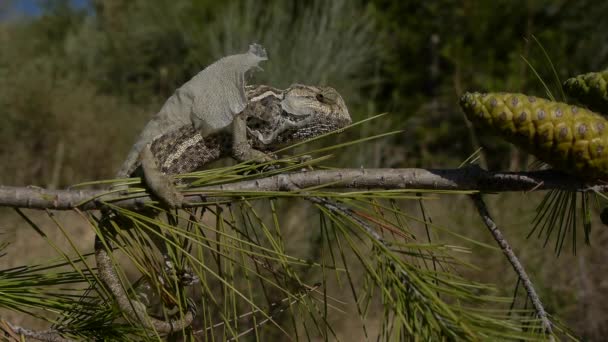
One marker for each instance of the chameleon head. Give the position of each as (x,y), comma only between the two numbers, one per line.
(320,103)
(300,112)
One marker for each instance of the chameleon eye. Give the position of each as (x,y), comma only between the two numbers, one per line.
(327,97)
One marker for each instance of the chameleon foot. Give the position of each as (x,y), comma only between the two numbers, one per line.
(185,276)
(244,152)
(159,184)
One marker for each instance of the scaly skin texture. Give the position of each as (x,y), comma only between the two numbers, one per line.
(569,138)
(272,118)
(590,89)
(209,102)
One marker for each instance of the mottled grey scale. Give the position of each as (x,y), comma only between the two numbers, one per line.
(263,114)
(540,114)
(514,101)
(315,129)
(574,110)
(193,157)
(185,150)
(531,99)
(563,132)
(558,113)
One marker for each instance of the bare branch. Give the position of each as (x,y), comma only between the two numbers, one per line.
(517,266)
(46,335)
(133,308)
(470,178)
(340,209)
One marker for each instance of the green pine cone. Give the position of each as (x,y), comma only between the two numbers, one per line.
(590,89)
(570,138)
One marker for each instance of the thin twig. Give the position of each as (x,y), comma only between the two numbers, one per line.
(337,208)
(286,184)
(277,308)
(45,335)
(517,266)
(133,308)
(463,179)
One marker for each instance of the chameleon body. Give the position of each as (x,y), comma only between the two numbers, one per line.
(591,89)
(211,101)
(272,118)
(570,138)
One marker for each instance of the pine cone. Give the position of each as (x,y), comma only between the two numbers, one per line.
(570,138)
(590,89)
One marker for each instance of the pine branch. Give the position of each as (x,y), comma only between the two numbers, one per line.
(462,179)
(514,261)
(46,335)
(133,308)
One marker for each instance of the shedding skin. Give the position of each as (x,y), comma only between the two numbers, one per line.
(209,102)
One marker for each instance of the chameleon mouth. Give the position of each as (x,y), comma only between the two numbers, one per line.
(294,117)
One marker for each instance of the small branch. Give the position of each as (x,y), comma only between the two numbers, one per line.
(517,266)
(286,184)
(337,208)
(45,335)
(133,308)
(467,179)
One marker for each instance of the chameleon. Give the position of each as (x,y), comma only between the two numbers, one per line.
(210,102)
(271,118)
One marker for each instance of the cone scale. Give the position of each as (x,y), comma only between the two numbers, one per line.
(591,89)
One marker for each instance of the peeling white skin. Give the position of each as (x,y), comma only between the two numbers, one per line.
(209,101)
(316,110)
(313,111)
(266,94)
(218,92)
